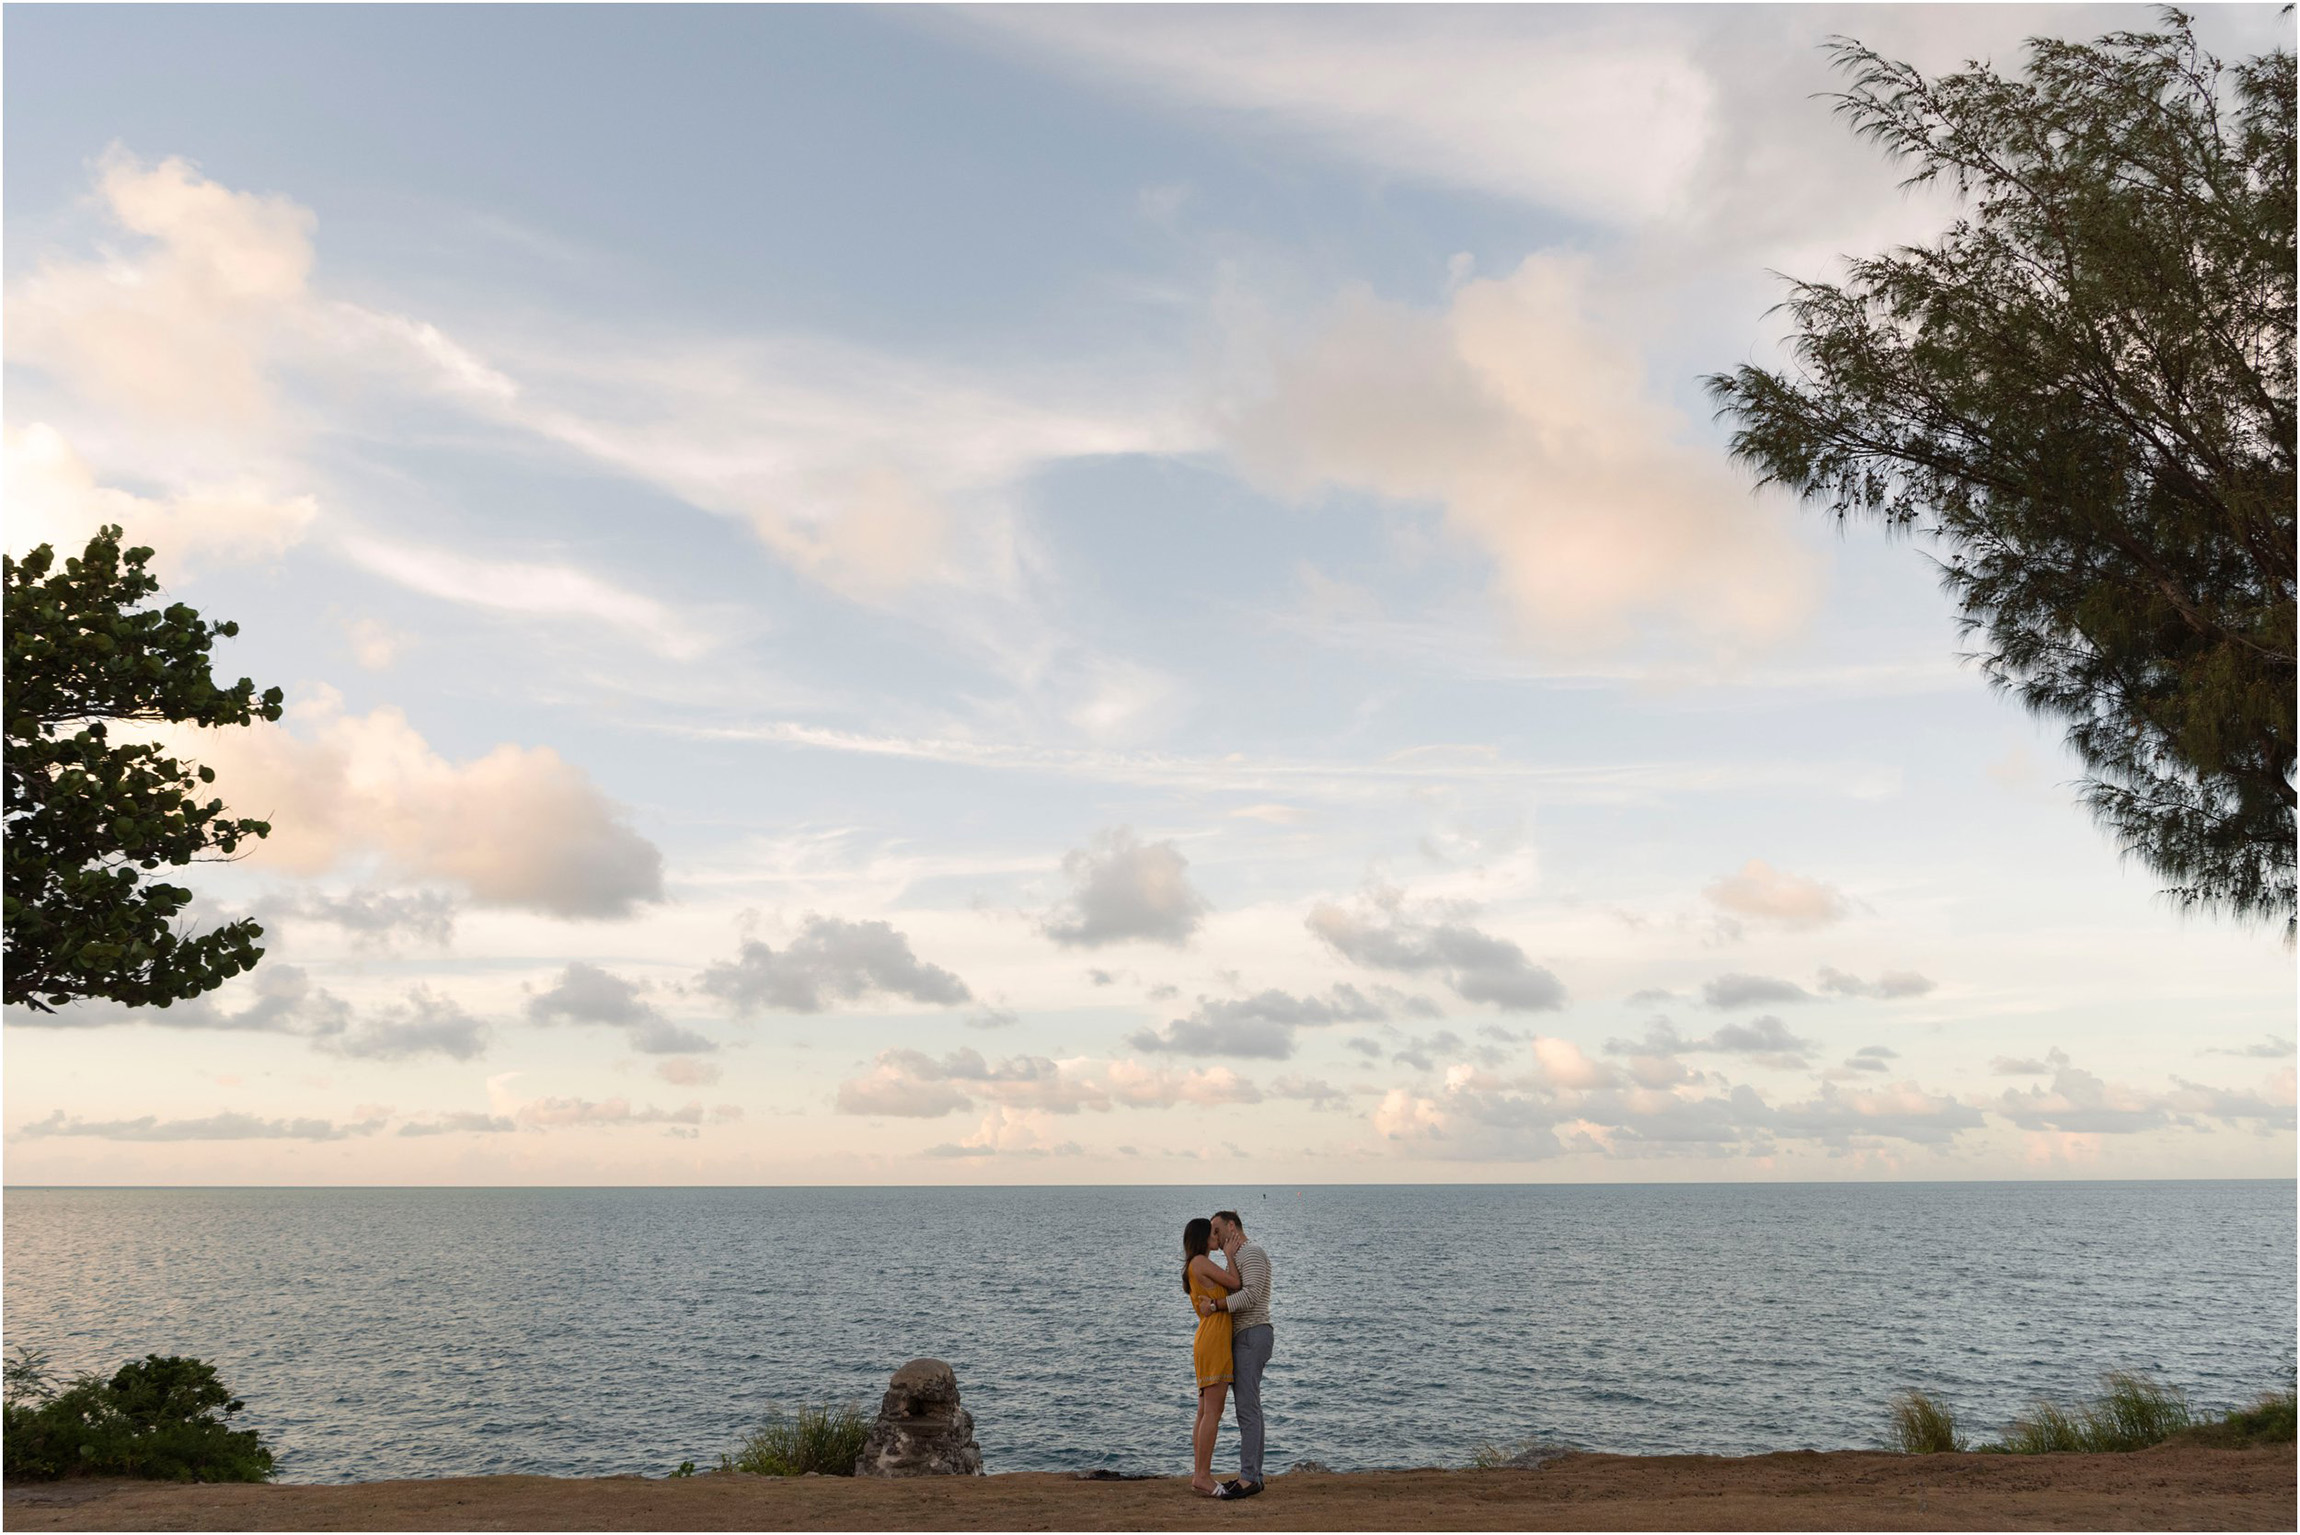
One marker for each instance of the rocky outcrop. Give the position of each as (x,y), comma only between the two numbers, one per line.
(921,1429)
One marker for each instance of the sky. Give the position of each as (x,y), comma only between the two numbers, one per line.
(1055,595)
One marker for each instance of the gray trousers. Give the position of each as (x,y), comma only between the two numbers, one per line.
(1249,1357)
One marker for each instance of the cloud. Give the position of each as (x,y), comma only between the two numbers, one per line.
(53,498)
(1257,1027)
(548,591)
(518,827)
(1316,1091)
(1764,1041)
(614,1113)
(2023,1066)
(1601,122)
(2079,1102)
(283,999)
(370,918)
(1837,1116)
(584,993)
(1890,986)
(2270,1048)
(686,1073)
(587,994)
(227,1126)
(1872,1058)
(1423,1053)
(1477,966)
(425,1024)
(459,1122)
(1138,1086)
(180,331)
(913,1084)
(1762,893)
(1124,891)
(1729,991)
(1521,410)
(831,961)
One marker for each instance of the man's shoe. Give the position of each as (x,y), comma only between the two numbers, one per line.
(1244,1488)
(1232,1488)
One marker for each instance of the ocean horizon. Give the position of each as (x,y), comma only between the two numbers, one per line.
(382,1332)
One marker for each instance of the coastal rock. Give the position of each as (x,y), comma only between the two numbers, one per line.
(921,1430)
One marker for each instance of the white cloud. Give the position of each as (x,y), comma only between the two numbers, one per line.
(832,960)
(518,827)
(1606,121)
(536,590)
(1138,1086)
(1123,890)
(1521,410)
(2080,1102)
(1762,893)
(53,498)
(182,331)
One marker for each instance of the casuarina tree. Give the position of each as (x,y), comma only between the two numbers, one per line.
(2083,393)
(89,819)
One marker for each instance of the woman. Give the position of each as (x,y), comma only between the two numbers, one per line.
(1201,1276)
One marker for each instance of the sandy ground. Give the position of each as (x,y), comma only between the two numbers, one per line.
(2165,1489)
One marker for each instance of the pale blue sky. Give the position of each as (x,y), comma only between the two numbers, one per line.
(1179,552)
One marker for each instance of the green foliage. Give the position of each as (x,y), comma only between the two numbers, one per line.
(1922,1426)
(814,1437)
(2271,1420)
(87,820)
(167,1418)
(686,1468)
(2084,392)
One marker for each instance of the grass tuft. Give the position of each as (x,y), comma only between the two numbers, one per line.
(1922,1426)
(1527,1454)
(2131,1413)
(816,1437)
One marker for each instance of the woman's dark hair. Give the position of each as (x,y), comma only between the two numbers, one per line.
(1197,1241)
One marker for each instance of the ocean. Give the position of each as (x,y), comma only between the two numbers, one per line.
(581,1332)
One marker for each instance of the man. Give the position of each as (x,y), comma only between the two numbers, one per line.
(1250,1338)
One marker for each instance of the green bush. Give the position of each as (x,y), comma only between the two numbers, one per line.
(1922,1426)
(2267,1421)
(161,1417)
(814,1437)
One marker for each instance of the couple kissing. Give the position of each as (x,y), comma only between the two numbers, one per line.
(1232,1347)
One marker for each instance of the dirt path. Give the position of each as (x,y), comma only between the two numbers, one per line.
(2184,1489)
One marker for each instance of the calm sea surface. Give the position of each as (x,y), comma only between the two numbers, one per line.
(432,1332)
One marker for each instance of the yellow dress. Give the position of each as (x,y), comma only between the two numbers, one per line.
(1211,1350)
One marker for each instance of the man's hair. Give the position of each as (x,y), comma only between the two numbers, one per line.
(1232,1217)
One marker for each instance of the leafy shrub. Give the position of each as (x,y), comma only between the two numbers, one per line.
(814,1437)
(1922,1426)
(161,1417)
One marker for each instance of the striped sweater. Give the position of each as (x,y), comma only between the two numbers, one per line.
(1250,1305)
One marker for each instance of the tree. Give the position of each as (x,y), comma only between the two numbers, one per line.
(87,819)
(2084,392)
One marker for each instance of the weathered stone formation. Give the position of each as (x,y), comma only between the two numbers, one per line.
(921,1429)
